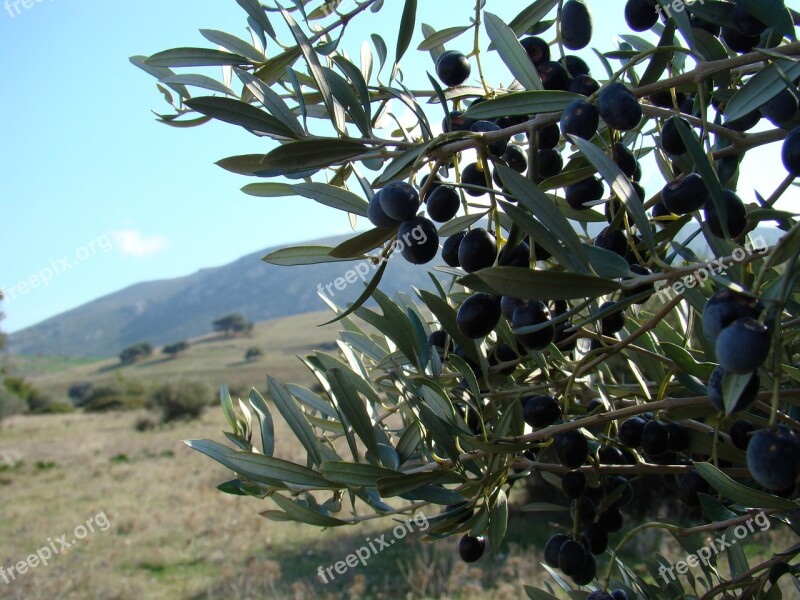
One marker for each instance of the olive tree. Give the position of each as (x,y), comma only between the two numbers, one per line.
(577,327)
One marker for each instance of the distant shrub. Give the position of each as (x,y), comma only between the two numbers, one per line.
(79,390)
(18,386)
(135,353)
(173,350)
(10,404)
(253,354)
(184,400)
(56,407)
(144,424)
(38,401)
(118,395)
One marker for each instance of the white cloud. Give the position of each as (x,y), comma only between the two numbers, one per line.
(131,242)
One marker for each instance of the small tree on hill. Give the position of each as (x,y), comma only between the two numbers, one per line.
(173,350)
(135,353)
(232,324)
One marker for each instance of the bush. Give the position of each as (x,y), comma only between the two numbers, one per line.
(185,400)
(10,404)
(253,354)
(120,394)
(19,386)
(579,333)
(38,401)
(55,407)
(144,424)
(78,391)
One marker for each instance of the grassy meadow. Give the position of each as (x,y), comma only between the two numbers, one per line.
(173,535)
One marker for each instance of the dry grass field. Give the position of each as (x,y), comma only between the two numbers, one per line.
(173,535)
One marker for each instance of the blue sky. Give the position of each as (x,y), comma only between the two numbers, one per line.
(94,190)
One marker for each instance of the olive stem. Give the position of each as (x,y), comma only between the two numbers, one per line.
(477,47)
(785,185)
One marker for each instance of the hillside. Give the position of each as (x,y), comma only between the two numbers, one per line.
(161,312)
(211,359)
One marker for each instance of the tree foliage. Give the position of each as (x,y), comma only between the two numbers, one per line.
(232,324)
(253,353)
(118,394)
(183,400)
(450,404)
(173,350)
(135,353)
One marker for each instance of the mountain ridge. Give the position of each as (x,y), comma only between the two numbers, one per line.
(168,310)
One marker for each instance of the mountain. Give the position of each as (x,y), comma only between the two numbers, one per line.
(166,311)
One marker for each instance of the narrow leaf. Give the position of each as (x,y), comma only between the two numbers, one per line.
(536,201)
(201,81)
(740,493)
(267,427)
(302,255)
(761,88)
(295,157)
(407,25)
(259,466)
(258,14)
(512,53)
(315,68)
(268,190)
(332,196)
(304,515)
(295,418)
(442,37)
(271,101)
(538,285)
(240,113)
(531,16)
(365,295)
(522,103)
(195,57)
(355,474)
(363,243)
(234,44)
(620,185)
(498,520)
(352,406)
